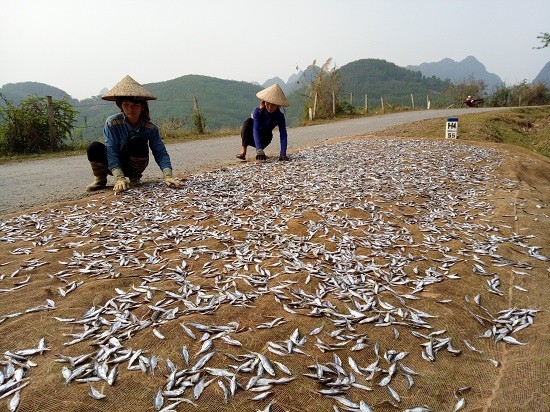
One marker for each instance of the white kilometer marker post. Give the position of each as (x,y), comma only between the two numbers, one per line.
(451,130)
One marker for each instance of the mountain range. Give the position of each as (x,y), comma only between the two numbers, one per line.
(457,72)
(227,103)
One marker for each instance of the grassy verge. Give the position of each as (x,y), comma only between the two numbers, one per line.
(528,127)
(81,149)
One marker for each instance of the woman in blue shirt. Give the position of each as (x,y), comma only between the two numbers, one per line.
(128,137)
(257,131)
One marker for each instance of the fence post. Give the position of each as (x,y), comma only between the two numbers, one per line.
(333,103)
(197,116)
(314,105)
(412,101)
(366,103)
(382,104)
(51,123)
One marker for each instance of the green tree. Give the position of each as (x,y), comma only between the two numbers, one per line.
(527,94)
(501,97)
(457,93)
(538,95)
(544,39)
(25,128)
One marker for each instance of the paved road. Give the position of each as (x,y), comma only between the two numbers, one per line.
(34,183)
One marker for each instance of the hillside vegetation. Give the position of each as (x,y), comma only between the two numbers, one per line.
(20,91)
(225,103)
(527,127)
(382,79)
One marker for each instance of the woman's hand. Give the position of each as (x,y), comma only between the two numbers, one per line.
(169,178)
(121,184)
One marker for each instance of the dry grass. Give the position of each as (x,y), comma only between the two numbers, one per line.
(527,127)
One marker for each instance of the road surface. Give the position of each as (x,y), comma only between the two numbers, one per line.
(33,183)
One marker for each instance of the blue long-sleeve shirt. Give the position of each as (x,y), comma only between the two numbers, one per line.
(118,132)
(265,120)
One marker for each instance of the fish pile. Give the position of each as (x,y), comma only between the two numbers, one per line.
(13,373)
(329,250)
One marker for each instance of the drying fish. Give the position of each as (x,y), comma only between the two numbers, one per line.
(159,400)
(157,333)
(471,347)
(94,393)
(460,404)
(223,242)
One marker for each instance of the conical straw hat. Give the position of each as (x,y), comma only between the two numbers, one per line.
(273,94)
(128,87)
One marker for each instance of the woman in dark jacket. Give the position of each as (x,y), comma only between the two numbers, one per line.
(257,131)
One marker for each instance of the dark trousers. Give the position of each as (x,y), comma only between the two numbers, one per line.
(134,157)
(247,135)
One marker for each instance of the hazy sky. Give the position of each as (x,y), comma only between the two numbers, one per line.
(83,46)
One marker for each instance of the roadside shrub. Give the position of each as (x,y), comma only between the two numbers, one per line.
(173,128)
(501,97)
(344,107)
(25,127)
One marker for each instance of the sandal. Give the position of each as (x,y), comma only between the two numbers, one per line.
(241,156)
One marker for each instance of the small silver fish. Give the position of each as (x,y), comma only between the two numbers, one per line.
(159,400)
(94,393)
